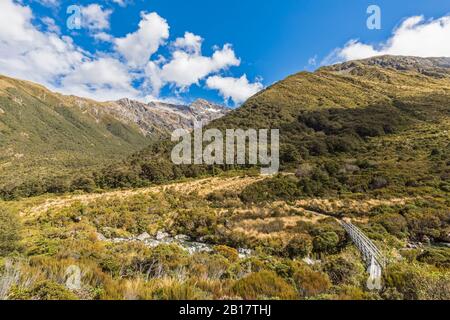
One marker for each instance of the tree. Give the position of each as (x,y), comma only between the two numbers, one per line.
(299,246)
(326,241)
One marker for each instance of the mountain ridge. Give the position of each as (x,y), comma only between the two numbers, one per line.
(45,135)
(345,126)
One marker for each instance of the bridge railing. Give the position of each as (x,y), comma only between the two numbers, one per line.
(368,249)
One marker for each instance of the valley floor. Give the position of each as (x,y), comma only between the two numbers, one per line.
(198,239)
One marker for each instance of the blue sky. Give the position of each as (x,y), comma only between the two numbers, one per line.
(245,45)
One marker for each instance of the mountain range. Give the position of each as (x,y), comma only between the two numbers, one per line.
(45,135)
(364,146)
(358,126)
(366,111)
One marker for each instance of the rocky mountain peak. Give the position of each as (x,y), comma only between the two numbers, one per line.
(435,67)
(162,118)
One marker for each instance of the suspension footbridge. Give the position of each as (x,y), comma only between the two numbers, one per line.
(372,256)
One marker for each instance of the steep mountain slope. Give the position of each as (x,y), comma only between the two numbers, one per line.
(356,84)
(359,126)
(46,137)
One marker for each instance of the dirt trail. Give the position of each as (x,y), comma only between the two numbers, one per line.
(202,187)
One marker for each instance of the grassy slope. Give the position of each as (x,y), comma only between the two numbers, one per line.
(385,111)
(61,231)
(43,134)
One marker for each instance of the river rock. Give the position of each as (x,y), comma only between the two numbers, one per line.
(100,237)
(182,237)
(244,253)
(144,236)
(162,235)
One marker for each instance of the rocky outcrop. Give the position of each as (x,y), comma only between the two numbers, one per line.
(158,118)
(181,240)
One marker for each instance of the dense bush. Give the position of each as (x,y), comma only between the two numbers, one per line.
(311,283)
(416,282)
(276,188)
(264,284)
(341,270)
(299,246)
(196,223)
(394,223)
(45,290)
(9,231)
(438,257)
(326,242)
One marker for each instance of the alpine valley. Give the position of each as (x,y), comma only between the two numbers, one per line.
(89,187)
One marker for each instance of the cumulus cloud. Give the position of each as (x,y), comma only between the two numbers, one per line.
(94,17)
(103,36)
(51,25)
(54,60)
(102,79)
(190,42)
(41,54)
(121,3)
(188,66)
(27,53)
(139,46)
(236,89)
(414,37)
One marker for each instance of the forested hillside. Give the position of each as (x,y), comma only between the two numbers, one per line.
(354,127)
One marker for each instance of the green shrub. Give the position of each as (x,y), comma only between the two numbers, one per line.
(45,290)
(179,291)
(311,283)
(9,232)
(196,223)
(326,241)
(278,188)
(264,284)
(416,282)
(300,246)
(394,223)
(340,270)
(227,252)
(438,257)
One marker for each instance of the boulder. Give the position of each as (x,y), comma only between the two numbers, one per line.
(182,237)
(162,235)
(100,237)
(144,236)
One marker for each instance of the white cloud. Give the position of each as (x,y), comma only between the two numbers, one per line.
(312,61)
(139,46)
(94,17)
(121,3)
(189,67)
(103,36)
(54,60)
(41,54)
(414,37)
(51,25)
(49,3)
(102,79)
(190,43)
(238,89)
(27,53)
